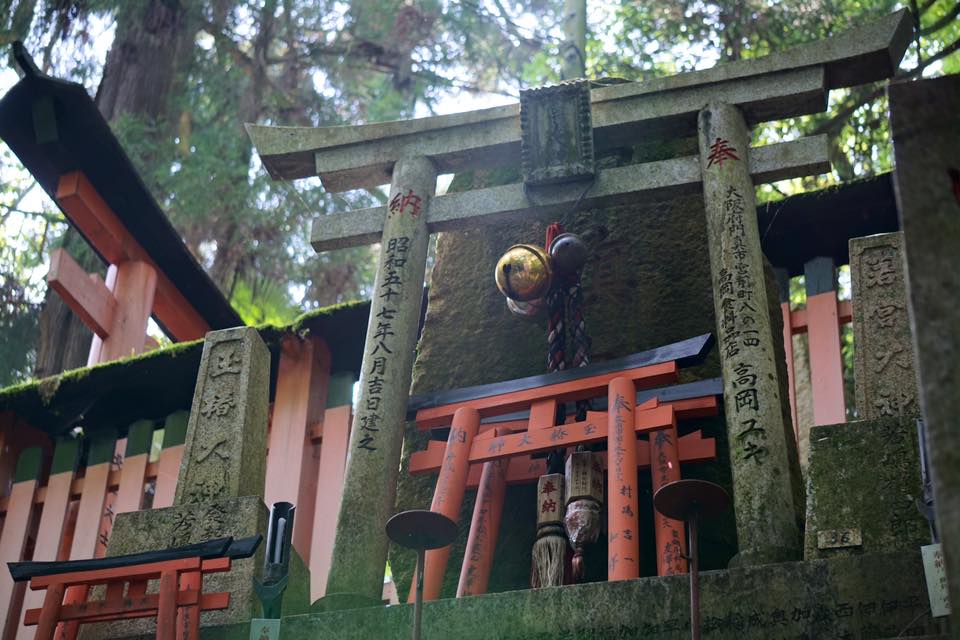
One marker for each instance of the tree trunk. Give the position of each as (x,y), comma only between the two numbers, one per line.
(152,40)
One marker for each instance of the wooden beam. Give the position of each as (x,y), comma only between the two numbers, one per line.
(798,317)
(617,185)
(92,216)
(524,469)
(85,293)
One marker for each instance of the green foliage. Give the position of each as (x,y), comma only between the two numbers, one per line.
(325,62)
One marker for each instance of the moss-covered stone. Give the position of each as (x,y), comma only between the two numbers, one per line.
(865,475)
(868,596)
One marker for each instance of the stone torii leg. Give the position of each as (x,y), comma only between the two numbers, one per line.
(765,494)
(373,461)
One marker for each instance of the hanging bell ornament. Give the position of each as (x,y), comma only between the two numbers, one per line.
(569,253)
(527,310)
(524,272)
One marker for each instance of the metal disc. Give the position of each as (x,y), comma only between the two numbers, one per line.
(421,529)
(679,499)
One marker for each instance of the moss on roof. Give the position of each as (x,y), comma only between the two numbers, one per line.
(113,395)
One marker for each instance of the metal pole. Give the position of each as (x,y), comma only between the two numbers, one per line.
(418,603)
(694,576)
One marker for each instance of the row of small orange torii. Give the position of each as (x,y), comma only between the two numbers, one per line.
(491,456)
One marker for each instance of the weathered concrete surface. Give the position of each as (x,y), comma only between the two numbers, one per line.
(763,460)
(926,143)
(885,379)
(867,596)
(376,437)
(865,475)
(647,283)
(225,455)
(157,529)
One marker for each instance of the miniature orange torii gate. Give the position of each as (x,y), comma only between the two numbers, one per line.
(176,605)
(490,456)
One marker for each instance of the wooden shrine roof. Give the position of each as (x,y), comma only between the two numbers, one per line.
(821,223)
(54,127)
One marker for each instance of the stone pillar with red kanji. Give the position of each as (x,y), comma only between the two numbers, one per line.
(766,500)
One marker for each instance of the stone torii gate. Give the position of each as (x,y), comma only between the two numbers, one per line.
(720,104)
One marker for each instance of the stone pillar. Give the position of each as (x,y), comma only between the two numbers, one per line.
(370,484)
(225,451)
(885,381)
(926,144)
(220,487)
(764,498)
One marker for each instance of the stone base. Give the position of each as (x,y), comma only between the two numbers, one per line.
(156,529)
(866,596)
(864,477)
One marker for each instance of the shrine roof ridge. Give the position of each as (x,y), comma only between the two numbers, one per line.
(864,54)
(54,128)
(685,353)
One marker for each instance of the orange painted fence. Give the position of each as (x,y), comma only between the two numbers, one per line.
(58,501)
(821,319)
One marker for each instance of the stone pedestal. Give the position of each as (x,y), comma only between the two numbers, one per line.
(185,524)
(885,380)
(220,487)
(864,480)
(757,424)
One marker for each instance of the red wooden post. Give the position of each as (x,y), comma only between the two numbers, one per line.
(823,330)
(171,455)
(301,394)
(50,613)
(13,539)
(134,290)
(188,618)
(333,461)
(52,518)
(134,469)
(670,535)
(623,552)
(90,513)
(167,606)
(484,529)
(448,496)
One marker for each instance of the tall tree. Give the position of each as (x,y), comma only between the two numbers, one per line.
(150,41)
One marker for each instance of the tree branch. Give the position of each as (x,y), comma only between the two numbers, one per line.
(944,21)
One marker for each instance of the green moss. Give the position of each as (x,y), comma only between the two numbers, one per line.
(113,395)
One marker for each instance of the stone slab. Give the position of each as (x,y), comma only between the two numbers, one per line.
(185,524)
(357,156)
(885,379)
(866,596)
(865,476)
(614,186)
(926,144)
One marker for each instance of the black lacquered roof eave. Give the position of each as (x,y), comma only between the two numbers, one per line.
(686,353)
(83,141)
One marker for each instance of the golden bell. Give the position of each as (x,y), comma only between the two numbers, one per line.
(524,272)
